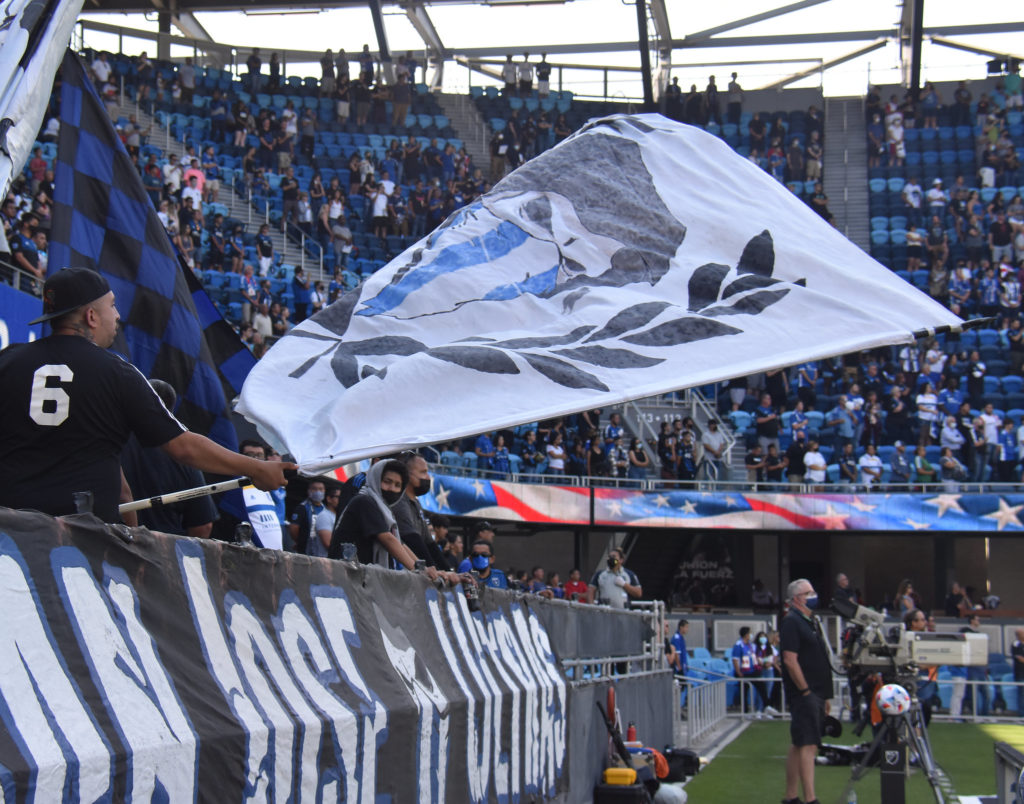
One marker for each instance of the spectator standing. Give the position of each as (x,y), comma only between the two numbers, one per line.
(616,585)
(401,100)
(524,73)
(746,668)
(187,76)
(807,682)
(301,294)
(254,64)
(543,76)
(978,675)
(265,249)
(711,101)
(509,74)
(734,101)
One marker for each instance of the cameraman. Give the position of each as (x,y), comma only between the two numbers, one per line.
(917,620)
(615,585)
(807,681)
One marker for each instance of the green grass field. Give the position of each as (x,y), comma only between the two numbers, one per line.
(752,768)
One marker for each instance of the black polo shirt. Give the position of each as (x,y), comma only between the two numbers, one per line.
(799,635)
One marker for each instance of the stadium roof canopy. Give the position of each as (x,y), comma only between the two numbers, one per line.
(800,40)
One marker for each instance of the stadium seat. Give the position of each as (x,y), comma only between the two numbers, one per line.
(1012,384)
(895,185)
(879,237)
(876,185)
(880,223)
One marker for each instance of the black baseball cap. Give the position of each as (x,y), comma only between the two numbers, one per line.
(69,289)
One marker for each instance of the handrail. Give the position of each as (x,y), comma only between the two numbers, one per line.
(659,484)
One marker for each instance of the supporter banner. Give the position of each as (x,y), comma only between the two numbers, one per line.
(637,257)
(163,669)
(16,310)
(33,37)
(528,502)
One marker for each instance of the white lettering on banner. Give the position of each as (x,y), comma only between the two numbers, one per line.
(431,709)
(476,626)
(143,706)
(447,641)
(550,749)
(517,678)
(335,615)
(309,661)
(259,760)
(268,677)
(40,704)
(478,762)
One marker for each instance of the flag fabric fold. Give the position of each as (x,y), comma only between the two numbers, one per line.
(103,219)
(639,256)
(33,37)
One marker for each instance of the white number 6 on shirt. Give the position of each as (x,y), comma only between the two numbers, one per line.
(42,393)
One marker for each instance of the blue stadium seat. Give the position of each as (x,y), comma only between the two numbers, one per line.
(895,185)
(880,223)
(879,237)
(877,185)
(1012,384)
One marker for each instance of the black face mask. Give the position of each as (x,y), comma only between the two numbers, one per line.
(391,497)
(422,487)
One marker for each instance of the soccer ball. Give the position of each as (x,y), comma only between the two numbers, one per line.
(892,699)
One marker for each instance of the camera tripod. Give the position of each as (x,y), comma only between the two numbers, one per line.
(889,748)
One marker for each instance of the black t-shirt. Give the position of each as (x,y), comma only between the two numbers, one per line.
(798,635)
(66,413)
(1017,654)
(412,528)
(151,471)
(796,453)
(773,467)
(359,524)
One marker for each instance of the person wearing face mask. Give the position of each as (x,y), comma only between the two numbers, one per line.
(616,585)
(807,682)
(481,561)
(368,521)
(766,660)
(302,526)
(413,525)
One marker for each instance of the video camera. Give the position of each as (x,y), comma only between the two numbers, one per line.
(869,646)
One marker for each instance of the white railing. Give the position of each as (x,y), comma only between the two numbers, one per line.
(705,708)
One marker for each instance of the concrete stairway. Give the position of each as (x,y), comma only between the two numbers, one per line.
(238,206)
(846,172)
(469,126)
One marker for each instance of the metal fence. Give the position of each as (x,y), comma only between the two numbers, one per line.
(704,706)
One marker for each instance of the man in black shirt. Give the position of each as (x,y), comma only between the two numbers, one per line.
(150,471)
(69,406)
(412,522)
(807,682)
(795,458)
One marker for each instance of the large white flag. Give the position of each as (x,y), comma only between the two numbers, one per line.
(637,257)
(33,37)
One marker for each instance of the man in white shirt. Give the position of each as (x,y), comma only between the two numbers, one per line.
(993,423)
(912,197)
(815,465)
(508,75)
(525,74)
(101,69)
(172,175)
(937,199)
(193,192)
(387,183)
(713,441)
(870,466)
